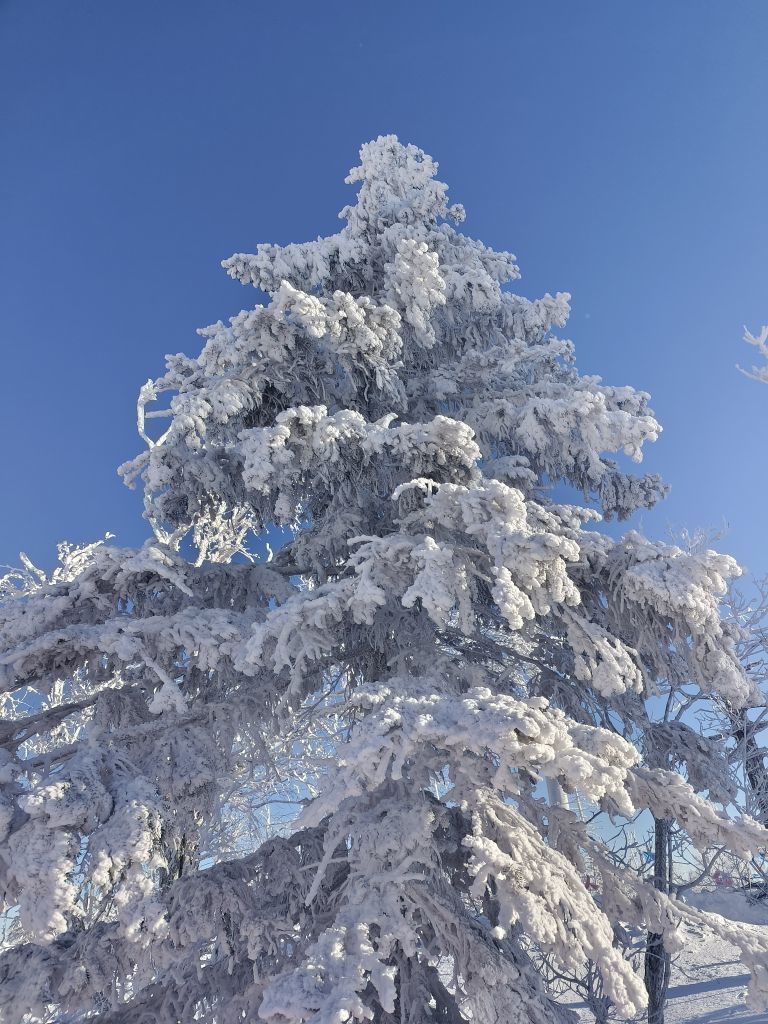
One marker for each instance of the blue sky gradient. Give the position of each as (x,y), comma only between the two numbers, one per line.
(619,149)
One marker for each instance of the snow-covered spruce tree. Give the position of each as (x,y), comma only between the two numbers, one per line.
(436,638)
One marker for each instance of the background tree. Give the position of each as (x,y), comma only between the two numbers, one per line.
(436,637)
(760,341)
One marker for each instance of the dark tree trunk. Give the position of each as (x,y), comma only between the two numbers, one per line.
(657,959)
(754,765)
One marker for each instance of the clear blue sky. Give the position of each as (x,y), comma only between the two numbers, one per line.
(619,149)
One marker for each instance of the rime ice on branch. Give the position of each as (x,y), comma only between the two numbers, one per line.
(304,789)
(760,341)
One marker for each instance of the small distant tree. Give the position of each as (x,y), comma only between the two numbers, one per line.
(747,728)
(749,611)
(307,787)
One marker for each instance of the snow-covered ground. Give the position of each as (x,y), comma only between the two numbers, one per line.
(708,985)
(708,980)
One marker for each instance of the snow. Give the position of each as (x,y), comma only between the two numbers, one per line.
(708,986)
(708,980)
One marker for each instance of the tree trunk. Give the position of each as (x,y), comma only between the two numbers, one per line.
(657,959)
(754,766)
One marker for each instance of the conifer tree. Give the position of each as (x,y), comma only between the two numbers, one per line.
(435,638)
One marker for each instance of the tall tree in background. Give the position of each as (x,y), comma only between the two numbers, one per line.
(435,638)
